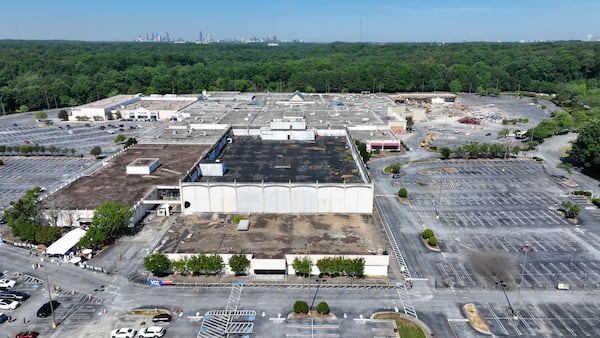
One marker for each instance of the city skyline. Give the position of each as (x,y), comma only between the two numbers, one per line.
(308,21)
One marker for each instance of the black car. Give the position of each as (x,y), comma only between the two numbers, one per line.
(3,318)
(46,309)
(14,295)
(163,317)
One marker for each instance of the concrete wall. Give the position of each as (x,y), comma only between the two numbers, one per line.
(375,265)
(304,135)
(277,197)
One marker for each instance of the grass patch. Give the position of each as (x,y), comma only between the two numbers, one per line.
(146,312)
(406,328)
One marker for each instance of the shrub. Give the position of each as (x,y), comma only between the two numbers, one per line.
(581,192)
(322,308)
(432,241)
(427,233)
(402,192)
(596,202)
(445,152)
(300,306)
(571,209)
(237,219)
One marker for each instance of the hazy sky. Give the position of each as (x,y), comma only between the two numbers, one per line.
(308,20)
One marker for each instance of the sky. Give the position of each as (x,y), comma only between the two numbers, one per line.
(307,20)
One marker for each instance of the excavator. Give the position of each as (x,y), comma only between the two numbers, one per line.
(428,138)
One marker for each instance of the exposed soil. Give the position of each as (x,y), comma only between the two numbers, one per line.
(273,236)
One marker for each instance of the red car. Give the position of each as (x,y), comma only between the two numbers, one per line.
(27,334)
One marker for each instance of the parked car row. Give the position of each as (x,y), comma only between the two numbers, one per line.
(147,332)
(7,283)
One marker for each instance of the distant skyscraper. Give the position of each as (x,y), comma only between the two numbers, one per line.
(200,37)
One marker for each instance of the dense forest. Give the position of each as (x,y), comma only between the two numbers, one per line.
(49,74)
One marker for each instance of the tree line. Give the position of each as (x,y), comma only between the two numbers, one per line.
(51,74)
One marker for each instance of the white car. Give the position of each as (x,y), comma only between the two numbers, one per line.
(7,283)
(8,304)
(124,332)
(152,332)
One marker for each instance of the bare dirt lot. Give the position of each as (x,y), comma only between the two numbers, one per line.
(273,236)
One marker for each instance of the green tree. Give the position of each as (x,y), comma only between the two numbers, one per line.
(362,150)
(23,215)
(427,233)
(445,152)
(110,220)
(130,141)
(46,234)
(41,115)
(358,267)
(323,264)
(503,132)
(455,86)
(323,308)
(180,265)
(395,168)
(63,115)
(300,306)
(585,152)
(302,266)
(568,167)
(214,264)
(120,138)
(23,108)
(571,209)
(157,263)
(197,264)
(403,192)
(239,263)
(432,241)
(96,151)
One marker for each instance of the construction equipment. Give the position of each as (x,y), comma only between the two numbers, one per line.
(427,139)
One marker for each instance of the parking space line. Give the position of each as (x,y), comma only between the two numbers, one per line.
(496,319)
(561,321)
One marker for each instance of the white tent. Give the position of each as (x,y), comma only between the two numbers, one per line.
(66,242)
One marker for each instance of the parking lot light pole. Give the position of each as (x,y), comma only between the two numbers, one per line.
(526,249)
(319,281)
(54,323)
(503,285)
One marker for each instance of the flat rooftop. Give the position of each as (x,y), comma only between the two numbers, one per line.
(107,102)
(273,236)
(325,110)
(170,105)
(111,182)
(250,159)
